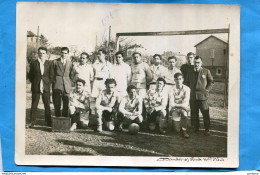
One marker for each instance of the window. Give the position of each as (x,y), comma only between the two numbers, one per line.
(219,71)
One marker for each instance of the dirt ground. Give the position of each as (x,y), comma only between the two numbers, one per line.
(40,140)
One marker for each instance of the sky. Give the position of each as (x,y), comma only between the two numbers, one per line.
(65,24)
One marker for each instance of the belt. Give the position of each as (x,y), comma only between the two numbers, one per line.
(99,78)
(170,84)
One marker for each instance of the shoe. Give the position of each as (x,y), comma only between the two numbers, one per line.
(185,134)
(99,128)
(206,133)
(73,127)
(162,131)
(30,125)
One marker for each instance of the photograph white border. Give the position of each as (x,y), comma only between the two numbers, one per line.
(232,160)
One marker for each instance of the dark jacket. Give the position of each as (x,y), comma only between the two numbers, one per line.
(63,75)
(199,88)
(35,76)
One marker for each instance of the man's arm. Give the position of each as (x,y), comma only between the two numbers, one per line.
(140,106)
(163,104)
(129,75)
(31,72)
(210,81)
(148,73)
(122,107)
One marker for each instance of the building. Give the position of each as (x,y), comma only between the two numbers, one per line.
(214,52)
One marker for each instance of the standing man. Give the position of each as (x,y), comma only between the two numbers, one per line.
(155,103)
(179,98)
(106,106)
(171,71)
(79,105)
(189,66)
(141,74)
(200,82)
(63,79)
(102,70)
(157,70)
(122,73)
(85,71)
(40,75)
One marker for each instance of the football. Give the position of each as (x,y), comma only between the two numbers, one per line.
(133,128)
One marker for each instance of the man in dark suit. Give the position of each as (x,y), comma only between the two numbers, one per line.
(62,82)
(40,75)
(200,82)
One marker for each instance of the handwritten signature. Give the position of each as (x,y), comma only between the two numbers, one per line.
(105,21)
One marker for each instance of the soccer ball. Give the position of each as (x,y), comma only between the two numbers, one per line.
(133,128)
(110,125)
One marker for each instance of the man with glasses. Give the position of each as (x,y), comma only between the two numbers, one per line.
(200,82)
(85,71)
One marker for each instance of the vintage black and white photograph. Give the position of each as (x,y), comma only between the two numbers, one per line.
(153,85)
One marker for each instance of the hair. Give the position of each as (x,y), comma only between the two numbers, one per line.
(157,55)
(191,53)
(120,53)
(172,57)
(110,81)
(103,51)
(161,79)
(176,75)
(85,53)
(137,53)
(79,80)
(130,87)
(198,57)
(42,48)
(65,48)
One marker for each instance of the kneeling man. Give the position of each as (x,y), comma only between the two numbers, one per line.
(179,97)
(155,104)
(79,106)
(106,105)
(130,108)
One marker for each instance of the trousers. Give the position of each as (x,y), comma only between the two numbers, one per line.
(59,95)
(34,106)
(203,106)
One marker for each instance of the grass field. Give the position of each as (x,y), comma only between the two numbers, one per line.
(41,141)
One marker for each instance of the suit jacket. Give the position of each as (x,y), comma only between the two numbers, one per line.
(63,75)
(199,88)
(35,76)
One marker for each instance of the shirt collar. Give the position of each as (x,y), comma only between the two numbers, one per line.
(195,70)
(40,61)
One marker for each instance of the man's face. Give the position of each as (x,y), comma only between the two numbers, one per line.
(42,54)
(83,59)
(137,58)
(197,63)
(101,56)
(79,87)
(132,93)
(64,54)
(172,63)
(179,80)
(156,60)
(119,58)
(159,84)
(110,87)
(190,59)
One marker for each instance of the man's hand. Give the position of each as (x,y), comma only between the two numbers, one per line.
(149,110)
(109,109)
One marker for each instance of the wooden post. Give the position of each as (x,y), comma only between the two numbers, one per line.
(225,103)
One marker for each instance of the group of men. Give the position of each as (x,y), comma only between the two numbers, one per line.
(151,96)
